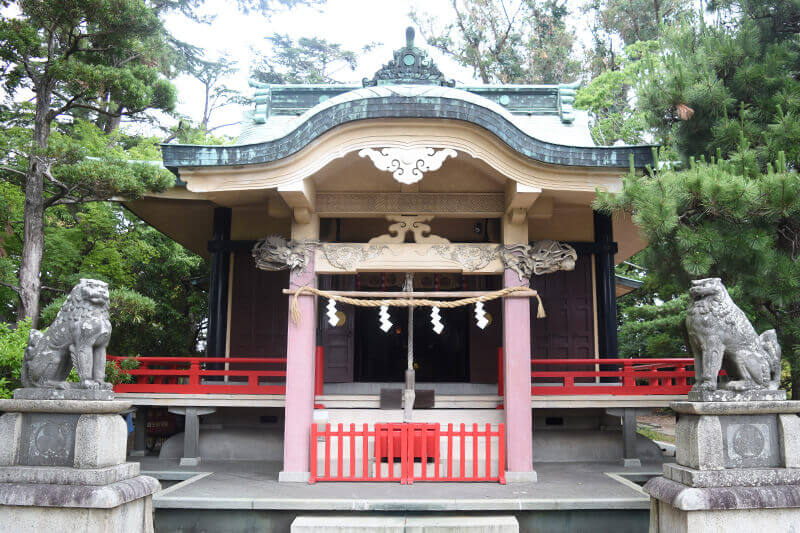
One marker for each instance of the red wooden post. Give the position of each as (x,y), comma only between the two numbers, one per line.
(450,437)
(475,451)
(312,478)
(500,390)
(378,452)
(340,453)
(437,434)
(488,442)
(327,451)
(365,454)
(463,459)
(194,376)
(352,451)
(319,370)
(501,450)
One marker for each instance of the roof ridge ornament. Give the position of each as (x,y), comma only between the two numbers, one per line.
(410,66)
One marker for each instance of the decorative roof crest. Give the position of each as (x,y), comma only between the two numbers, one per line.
(410,66)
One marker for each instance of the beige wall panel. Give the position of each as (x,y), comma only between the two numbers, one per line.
(566,224)
(187,222)
(628,236)
(253,223)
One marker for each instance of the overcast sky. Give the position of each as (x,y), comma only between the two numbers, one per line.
(352,23)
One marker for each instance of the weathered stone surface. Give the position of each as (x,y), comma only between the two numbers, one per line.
(64,406)
(735,408)
(736,396)
(721,336)
(132,517)
(101,497)
(744,477)
(698,442)
(47,439)
(10,432)
(750,441)
(68,475)
(77,337)
(789,427)
(407,524)
(100,440)
(346,524)
(62,394)
(458,524)
(667,519)
(686,498)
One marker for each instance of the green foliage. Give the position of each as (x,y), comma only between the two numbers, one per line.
(521,41)
(116,370)
(609,97)
(306,60)
(13,341)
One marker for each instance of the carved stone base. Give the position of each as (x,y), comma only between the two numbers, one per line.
(722,395)
(736,461)
(62,468)
(63,394)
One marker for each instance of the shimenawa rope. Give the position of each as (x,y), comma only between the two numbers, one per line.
(406,302)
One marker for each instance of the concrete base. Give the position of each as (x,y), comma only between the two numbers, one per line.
(189,461)
(632,463)
(404,524)
(136,516)
(722,395)
(665,518)
(138,453)
(61,475)
(63,394)
(521,477)
(293,477)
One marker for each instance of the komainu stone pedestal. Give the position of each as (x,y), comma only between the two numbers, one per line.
(62,468)
(738,469)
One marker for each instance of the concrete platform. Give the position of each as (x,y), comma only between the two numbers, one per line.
(246,496)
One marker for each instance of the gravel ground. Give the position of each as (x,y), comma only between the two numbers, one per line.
(662,423)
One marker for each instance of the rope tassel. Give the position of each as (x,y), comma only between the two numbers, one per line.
(294,308)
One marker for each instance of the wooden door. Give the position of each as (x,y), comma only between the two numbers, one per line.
(337,341)
(568,330)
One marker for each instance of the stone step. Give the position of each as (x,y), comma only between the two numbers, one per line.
(404,524)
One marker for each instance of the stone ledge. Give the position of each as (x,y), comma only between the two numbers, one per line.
(723,395)
(31,393)
(94,497)
(736,408)
(687,498)
(63,475)
(743,477)
(64,406)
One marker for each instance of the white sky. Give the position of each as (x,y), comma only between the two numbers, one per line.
(352,23)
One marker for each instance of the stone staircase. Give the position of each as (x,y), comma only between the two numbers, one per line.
(404,524)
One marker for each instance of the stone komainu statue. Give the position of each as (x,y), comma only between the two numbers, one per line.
(721,337)
(78,336)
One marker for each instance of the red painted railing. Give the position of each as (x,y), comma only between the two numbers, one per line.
(407,453)
(189,375)
(617,377)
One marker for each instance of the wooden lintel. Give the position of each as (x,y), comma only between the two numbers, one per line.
(300,199)
(429,294)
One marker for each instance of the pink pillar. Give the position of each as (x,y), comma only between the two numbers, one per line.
(517,370)
(299,410)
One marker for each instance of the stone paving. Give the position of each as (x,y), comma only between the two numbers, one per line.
(253,485)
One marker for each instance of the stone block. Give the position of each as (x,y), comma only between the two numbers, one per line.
(667,519)
(722,395)
(10,434)
(134,516)
(698,442)
(94,496)
(47,439)
(521,477)
(100,440)
(750,441)
(742,477)
(63,394)
(686,498)
(60,475)
(789,427)
(348,524)
(458,524)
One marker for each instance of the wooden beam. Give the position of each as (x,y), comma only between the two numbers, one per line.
(422,294)
(300,197)
(520,197)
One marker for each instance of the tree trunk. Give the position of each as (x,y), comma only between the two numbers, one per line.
(33,213)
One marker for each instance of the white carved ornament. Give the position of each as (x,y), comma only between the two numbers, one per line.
(407,165)
(405,223)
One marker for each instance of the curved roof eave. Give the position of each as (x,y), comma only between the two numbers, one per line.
(337,112)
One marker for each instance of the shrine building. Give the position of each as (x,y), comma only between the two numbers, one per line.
(405,187)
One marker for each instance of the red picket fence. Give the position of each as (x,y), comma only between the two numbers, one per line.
(189,375)
(629,376)
(408,453)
